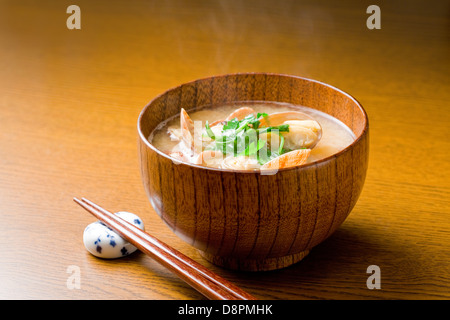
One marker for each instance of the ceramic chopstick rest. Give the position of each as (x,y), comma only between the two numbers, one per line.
(103,242)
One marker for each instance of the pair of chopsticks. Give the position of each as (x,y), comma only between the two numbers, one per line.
(196,275)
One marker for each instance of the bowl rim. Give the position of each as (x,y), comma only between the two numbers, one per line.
(306,165)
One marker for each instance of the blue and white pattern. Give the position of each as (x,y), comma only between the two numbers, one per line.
(103,242)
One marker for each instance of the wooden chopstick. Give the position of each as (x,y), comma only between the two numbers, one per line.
(196,275)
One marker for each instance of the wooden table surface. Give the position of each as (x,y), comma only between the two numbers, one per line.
(70,99)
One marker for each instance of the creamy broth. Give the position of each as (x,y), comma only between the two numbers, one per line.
(335,136)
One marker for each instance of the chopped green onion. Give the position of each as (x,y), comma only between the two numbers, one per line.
(281,128)
(252,149)
(209,131)
(280,148)
(231,124)
(261,114)
(241,137)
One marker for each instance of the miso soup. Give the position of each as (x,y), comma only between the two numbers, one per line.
(251,136)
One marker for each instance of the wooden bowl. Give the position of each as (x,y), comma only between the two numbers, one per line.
(241,219)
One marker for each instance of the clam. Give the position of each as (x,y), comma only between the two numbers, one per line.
(240,163)
(304,131)
(191,132)
(210,158)
(240,113)
(289,159)
(187,129)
